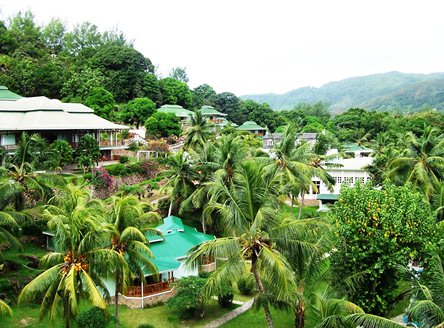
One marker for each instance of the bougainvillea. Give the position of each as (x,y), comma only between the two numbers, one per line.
(378,230)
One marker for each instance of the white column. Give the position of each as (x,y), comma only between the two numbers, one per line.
(142,292)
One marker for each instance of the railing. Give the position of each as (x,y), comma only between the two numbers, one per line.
(108,143)
(136,291)
(210,267)
(10,147)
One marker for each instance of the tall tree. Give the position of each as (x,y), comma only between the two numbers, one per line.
(137,111)
(128,239)
(124,69)
(175,92)
(180,74)
(74,270)
(199,133)
(248,213)
(422,163)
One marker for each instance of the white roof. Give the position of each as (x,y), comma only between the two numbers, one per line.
(356,163)
(41,113)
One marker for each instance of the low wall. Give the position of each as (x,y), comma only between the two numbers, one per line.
(136,302)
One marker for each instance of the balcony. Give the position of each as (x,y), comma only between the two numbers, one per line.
(156,288)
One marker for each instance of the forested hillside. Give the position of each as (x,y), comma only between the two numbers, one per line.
(388,91)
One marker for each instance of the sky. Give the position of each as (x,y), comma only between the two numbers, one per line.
(250,47)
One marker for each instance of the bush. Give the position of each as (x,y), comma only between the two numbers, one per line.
(145,325)
(33,227)
(93,318)
(190,298)
(124,159)
(246,285)
(225,294)
(377,231)
(116,169)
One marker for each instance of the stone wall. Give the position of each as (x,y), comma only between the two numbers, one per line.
(136,302)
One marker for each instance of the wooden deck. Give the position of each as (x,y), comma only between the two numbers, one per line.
(136,291)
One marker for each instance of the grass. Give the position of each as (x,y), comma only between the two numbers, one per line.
(255,318)
(15,255)
(159,316)
(307,211)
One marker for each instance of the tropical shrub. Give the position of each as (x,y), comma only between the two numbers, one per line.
(225,294)
(190,299)
(376,231)
(246,285)
(93,318)
(124,159)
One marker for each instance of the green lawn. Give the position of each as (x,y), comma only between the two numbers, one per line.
(256,319)
(307,211)
(159,316)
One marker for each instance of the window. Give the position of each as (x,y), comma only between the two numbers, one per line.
(270,142)
(360,179)
(316,187)
(348,180)
(338,180)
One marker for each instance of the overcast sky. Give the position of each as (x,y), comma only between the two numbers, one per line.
(247,47)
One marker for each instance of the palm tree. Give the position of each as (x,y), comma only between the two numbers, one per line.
(181,177)
(128,238)
(248,211)
(74,271)
(5,309)
(422,163)
(18,175)
(198,135)
(299,164)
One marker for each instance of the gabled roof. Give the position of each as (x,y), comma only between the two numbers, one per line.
(354,147)
(6,95)
(177,110)
(41,113)
(210,111)
(251,126)
(175,243)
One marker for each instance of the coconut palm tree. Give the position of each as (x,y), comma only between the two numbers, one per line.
(128,239)
(74,270)
(422,163)
(199,133)
(180,177)
(248,213)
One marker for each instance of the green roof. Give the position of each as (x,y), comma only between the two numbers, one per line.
(355,147)
(327,197)
(176,110)
(251,126)
(210,111)
(175,243)
(5,94)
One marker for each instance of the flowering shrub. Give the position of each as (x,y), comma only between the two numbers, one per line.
(103,183)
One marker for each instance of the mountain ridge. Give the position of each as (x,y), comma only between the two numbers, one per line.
(383,91)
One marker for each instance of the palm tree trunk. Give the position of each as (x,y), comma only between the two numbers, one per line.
(170,209)
(301,205)
(261,289)
(204,227)
(292,203)
(299,315)
(116,298)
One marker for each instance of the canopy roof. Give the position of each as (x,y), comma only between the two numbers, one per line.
(210,111)
(327,197)
(175,243)
(41,113)
(7,95)
(177,110)
(251,126)
(354,147)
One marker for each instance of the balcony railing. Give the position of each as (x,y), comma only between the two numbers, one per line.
(136,291)
(9,147)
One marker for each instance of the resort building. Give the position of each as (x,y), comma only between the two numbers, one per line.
(183,114)
(170,252)
(347,170)
(272,139)
(54,120)
(252,127)
(212,115)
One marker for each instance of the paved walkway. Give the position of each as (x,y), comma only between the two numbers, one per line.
(230,315)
